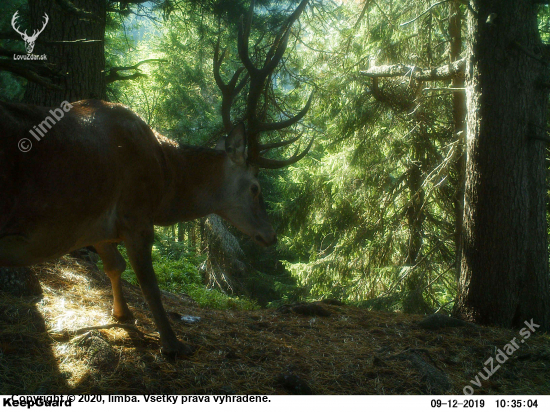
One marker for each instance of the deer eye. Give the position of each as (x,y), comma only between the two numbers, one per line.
(255,189)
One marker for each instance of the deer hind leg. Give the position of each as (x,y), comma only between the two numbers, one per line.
(138,245)
(114,264)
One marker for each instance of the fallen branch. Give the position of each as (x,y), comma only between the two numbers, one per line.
(444,89)
(445,72)
(111,326)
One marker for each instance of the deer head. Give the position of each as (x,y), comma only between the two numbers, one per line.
(243,203)
(29,40)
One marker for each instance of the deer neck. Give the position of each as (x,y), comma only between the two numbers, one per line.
(193,184)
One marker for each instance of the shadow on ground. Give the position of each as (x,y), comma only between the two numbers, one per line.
(64,341)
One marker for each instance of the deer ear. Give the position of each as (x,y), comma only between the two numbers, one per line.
(235,144)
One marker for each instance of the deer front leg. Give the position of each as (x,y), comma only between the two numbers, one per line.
(114,264)
(138,245)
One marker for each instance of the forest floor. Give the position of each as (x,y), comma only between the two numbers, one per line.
(47,346)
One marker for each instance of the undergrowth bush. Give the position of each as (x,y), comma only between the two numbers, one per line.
(177,272)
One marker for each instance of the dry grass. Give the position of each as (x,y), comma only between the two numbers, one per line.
(352,351)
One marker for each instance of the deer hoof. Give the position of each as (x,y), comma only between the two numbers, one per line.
(123,316)
(177,350)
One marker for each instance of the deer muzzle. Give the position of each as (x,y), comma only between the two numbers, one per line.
(266,239)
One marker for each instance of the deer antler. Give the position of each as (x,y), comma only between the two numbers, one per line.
(229,90)
(14,22)
(37,32)
(267,147)
(277,164)
(258,80)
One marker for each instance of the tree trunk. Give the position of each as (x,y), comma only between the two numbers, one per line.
(83,69)
(192,237)
(504,261)
(181,230)
(414,301)
(82,65)
(224,266)
(459,120)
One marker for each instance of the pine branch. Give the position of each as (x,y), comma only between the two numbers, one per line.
(114,76)
(445,72)
(69,7)
(11,35)
(20,69)
(424,12)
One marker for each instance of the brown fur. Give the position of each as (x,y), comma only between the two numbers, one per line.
(100,175)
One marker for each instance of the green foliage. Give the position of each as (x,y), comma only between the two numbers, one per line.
(369,215)
(12,87)
(180,98)
(177,272)
(346,212)
(353,222)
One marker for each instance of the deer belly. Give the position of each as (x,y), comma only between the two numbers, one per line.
(17,250)
(23,246)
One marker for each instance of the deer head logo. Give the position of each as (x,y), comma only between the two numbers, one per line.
(29,40)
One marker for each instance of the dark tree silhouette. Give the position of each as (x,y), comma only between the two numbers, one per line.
(504,260)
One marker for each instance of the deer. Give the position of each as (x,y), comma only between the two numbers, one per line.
(101,176)
(29,40)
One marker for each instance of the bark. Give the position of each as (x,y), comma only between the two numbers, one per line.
(181,231)
(415,283)
(82,64)
(224,265)
(459,119)
(414,301)
(504,261)
(192,237)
